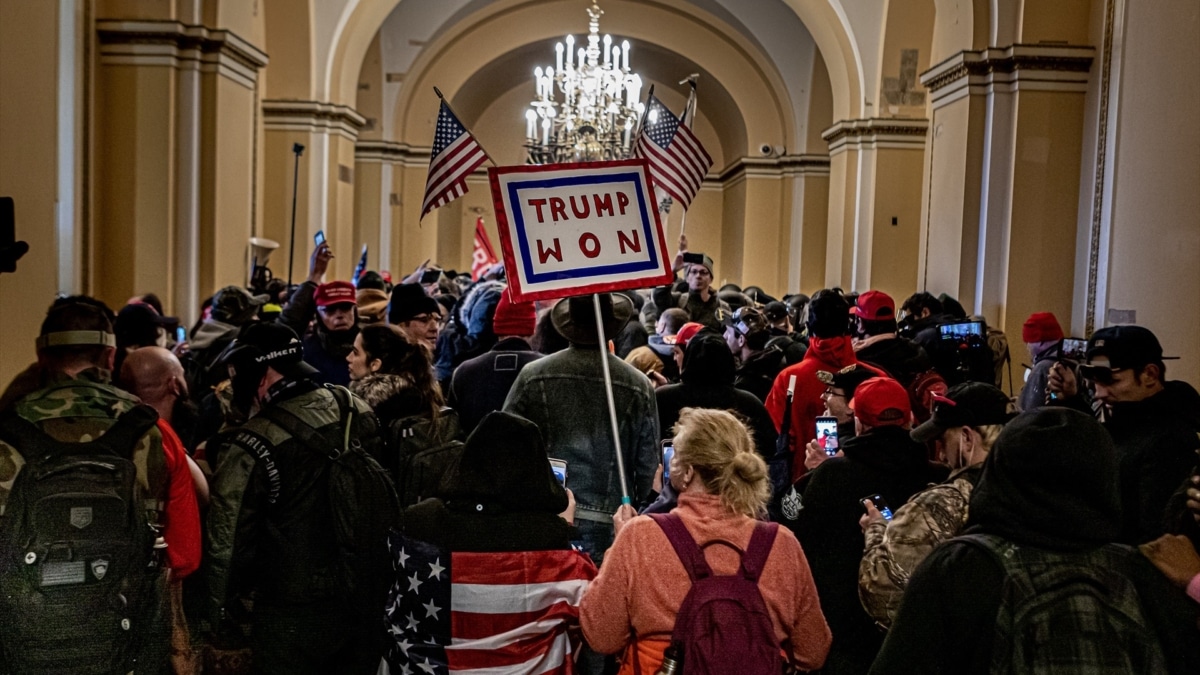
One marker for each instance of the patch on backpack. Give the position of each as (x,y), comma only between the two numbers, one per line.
(62,573)
(99,568)
(81,517)
(791,504)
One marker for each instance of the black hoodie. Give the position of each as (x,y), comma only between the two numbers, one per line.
(902,358)
(1049,483)
(708,371)
(1156,441)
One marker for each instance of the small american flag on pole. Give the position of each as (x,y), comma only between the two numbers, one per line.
(455,155)
(483,613)
(678,162)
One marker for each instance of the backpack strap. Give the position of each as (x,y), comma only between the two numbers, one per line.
(307,434)
(685,546)
(118,439)
(755,557)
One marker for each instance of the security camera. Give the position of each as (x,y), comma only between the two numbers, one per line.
(766,150)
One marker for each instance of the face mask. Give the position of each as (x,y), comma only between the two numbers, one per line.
(245,379)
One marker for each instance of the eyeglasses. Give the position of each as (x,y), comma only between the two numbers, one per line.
(424,318)
(1100,374)
(830,392)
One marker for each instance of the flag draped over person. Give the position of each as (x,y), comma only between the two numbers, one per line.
(456,612)
(455,155)
(483,256)
(678,161)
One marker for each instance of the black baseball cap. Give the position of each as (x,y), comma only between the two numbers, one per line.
(1125,347)
(970,404)
(269,344)
(847,379)
(775,311)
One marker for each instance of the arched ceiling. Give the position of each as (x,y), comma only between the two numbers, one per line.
(695,42)
(514,70)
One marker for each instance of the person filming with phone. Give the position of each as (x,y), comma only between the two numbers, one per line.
(700,300)
(965,424)
(881,460)
(1153,422)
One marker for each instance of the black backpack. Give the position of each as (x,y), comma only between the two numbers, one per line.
(424,451)
(1064,613)
(82,584)
(362,500)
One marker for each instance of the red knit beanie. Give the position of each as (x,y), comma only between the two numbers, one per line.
(514,318)
(1041,327)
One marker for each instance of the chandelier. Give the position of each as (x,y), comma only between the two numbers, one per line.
(599,106)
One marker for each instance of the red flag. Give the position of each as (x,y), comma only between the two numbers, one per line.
(484,256)
(455,155)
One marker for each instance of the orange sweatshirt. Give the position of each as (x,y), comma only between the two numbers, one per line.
(642,583)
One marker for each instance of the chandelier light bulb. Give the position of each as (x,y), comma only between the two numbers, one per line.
(599,100)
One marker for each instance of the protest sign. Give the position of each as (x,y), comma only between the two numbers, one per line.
(572,229)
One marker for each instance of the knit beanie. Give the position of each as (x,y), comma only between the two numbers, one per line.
(1041,327)
(514,318)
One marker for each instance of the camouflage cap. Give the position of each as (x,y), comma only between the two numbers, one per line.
(235,305)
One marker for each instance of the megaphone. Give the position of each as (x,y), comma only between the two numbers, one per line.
(261,248)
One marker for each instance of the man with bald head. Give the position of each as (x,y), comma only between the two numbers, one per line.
(155,375)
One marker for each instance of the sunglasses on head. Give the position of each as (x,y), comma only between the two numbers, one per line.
(1100,374)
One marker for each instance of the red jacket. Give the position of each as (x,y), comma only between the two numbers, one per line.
(182,528)
(828,354)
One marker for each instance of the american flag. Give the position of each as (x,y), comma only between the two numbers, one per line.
(678,162)
(456,154)
(483,612)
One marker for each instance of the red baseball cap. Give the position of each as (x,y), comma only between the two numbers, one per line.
(881,401)
(874,306)
(336,293)
(685,334)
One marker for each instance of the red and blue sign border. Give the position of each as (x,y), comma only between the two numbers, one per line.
(512,235)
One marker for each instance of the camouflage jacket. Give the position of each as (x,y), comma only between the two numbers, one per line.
(78,410)
(895,548)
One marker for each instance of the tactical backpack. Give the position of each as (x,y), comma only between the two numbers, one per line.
(424,451)
(723,625)
(1064,613)
(362,499)
(82,583)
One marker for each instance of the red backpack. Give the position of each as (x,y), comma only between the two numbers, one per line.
(723,625)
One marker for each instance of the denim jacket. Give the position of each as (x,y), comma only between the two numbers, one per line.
(564,395)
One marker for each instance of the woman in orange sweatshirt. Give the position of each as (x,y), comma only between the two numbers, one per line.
(723,488)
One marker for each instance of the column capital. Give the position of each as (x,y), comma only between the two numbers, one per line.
(176,44)
(1038,67)
(391,152)
(898,133)
(312,116)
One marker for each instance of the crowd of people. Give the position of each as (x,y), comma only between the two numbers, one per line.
(356,476)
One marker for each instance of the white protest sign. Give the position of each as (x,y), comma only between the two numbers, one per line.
(572,229)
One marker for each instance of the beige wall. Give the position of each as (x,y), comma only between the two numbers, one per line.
(28,171)
(894,247)
(1155,183)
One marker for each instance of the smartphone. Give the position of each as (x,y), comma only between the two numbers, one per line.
(319,237)
(880,505)
(668,451)
(430,276)
(827,435)
(180,335)
(559,467)
(690,258)
(1074,349)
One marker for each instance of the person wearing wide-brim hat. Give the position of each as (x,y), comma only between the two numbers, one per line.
(563,394)
(575,318)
